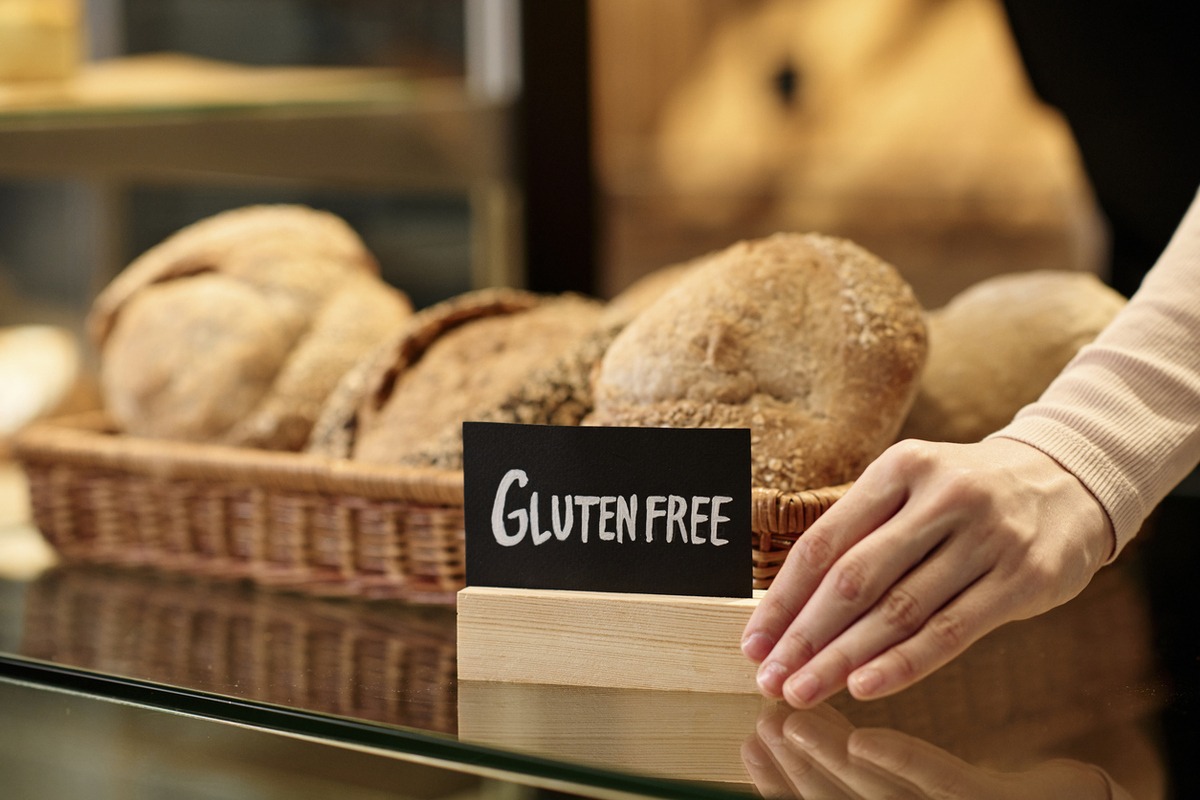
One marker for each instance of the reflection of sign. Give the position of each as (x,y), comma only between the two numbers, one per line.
(652,510)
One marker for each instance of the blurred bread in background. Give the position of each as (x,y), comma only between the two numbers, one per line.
(907,126)
(996,346)
(41,373)
(236,328)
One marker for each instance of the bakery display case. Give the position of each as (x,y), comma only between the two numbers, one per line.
(399,116)
(260,605)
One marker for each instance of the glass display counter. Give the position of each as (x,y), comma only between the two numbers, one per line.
(1103,689)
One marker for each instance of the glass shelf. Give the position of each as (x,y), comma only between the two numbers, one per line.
(169,117)
(1106,681)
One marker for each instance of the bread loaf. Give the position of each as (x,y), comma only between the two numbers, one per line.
(810,341)
(40,367)
(997,345)
(496,355)
(235,329)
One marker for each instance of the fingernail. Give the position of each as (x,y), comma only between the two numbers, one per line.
(866,682)
(757,646)
(802,689)
(770,678)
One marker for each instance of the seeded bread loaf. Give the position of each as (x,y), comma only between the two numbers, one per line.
(235,329)
(810,341)
(499,355)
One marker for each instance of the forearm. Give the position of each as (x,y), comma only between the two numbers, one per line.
(1124,415)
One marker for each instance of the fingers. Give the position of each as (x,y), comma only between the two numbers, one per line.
(934,546)
(920,763)
(818,753)
(945,635)
(858,583)
(803,775)
(872,502)
(891,580)
(901,611)
(937,773)
(823,736)
(807,751)
(768,781)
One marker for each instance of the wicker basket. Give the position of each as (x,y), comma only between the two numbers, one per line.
(327,526)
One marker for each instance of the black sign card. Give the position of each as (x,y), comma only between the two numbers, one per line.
(650,510)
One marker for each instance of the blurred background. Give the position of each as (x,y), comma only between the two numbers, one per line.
(558,146)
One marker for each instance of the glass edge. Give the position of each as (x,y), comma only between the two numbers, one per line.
(344,731)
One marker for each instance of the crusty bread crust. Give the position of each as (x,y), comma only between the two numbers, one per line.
(366,387)
(235,329)
(236,243)
(499,355)
(810,341)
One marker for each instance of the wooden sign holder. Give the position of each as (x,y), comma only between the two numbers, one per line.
(634,641)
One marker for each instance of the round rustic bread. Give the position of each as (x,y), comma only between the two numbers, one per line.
(810,341)
(236,242)
(997,345)
(235,329)
(498,354)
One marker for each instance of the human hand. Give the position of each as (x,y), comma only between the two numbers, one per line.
(817,753)
(933,547)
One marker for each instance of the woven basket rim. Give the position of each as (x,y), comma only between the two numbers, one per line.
(89,440)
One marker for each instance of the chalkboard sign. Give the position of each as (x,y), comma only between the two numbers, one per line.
(649,510)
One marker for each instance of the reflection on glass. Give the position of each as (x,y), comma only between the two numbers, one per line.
(819,753)
(1037,702)
(384,662)
(62,745)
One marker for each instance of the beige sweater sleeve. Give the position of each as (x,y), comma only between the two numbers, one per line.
(1124,415)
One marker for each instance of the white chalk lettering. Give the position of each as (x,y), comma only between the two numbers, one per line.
(503,537)
(697,518)
(689,519)
(652,513)
(535,527)
(717,518)
(606,514)
(585,502)
(562,529)
(676,509)
(627,518)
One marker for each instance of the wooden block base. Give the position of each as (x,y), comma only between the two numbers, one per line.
(633,641)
